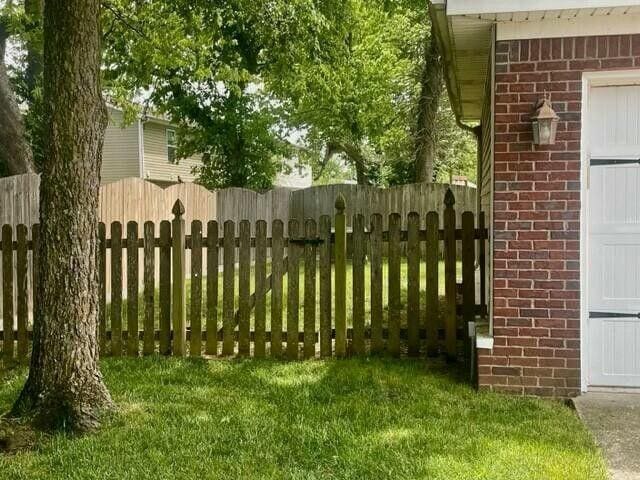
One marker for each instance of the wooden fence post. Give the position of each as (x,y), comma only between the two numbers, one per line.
(450,275)
(179,304)
(340,277)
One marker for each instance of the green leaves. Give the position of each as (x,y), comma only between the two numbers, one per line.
(205,63)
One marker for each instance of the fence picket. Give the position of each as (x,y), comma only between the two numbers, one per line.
(277,272)
(165,288)
(293,291)
(260,275)
(212,288)
(358,284)
(393,343)
(340,275)
(375,245)
(7,293)
(244,293)
(22,290)
(102,285)
(310,253)
(132,289)
(149,289)
(228,288)
(413,284)
(450,275)
(468,275)
(195,319)
(432,255)
(325,286)
(116,289)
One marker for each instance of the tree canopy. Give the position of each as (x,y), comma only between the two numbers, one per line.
(333,84)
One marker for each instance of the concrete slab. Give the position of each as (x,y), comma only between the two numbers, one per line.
(614,420)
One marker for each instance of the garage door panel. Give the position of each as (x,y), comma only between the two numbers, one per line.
(615,189)
(613,329)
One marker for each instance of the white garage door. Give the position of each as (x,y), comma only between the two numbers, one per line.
(613,333)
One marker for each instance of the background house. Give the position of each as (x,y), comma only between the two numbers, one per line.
(145,149)
(565,217)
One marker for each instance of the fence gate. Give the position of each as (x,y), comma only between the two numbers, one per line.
(393,286)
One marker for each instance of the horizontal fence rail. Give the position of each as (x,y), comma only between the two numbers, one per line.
(250,289)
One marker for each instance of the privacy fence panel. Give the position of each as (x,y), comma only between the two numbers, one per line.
(256,287)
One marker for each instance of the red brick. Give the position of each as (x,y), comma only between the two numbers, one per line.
(617,63)
(537,211)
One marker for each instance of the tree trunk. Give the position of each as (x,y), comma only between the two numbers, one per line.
(65,387)
(431,88)
(355,156)
(15,152)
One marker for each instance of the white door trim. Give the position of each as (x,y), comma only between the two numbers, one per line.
(590,80)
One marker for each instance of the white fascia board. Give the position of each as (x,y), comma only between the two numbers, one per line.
(573,27)
(479,7)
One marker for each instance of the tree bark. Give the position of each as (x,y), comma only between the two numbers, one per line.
(431,89)
(15,152)
(65,387)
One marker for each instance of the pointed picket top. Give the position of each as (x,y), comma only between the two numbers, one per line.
(340,203)
(178,208)
(449,198)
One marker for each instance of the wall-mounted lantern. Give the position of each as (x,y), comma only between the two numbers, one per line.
(545,123)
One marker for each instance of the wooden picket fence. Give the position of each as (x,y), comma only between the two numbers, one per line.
(234,321)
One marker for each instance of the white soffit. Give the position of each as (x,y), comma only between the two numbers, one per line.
(465,34)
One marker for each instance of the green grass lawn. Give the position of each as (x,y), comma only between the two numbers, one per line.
(349,419)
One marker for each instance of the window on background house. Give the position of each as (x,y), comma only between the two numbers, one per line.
(172,146)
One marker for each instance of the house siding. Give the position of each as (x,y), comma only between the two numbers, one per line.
(156,166)
(120,152)
(536,213)
(485,170)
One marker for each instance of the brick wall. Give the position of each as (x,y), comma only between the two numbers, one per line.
(536,213)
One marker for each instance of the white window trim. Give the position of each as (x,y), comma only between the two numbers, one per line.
(590,80)
(167,145)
